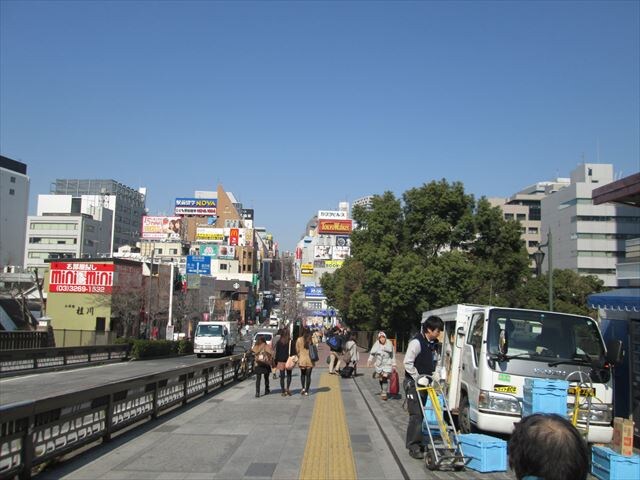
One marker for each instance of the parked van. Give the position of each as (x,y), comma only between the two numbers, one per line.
(487,352)
(213,338)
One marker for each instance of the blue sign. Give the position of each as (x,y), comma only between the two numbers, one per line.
(313,292)
(199,264)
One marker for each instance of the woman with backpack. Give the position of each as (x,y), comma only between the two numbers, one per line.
(263,360)
(284,349)
(382,357)
(303,346)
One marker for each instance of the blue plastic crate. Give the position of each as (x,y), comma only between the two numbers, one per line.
(430,416)
(487,453)
(544,396)
(609,465)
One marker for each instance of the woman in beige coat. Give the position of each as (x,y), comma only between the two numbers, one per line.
(304,360)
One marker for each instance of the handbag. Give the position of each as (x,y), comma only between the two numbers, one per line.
(264,358)
(394,383)
(292,361)
(313,353)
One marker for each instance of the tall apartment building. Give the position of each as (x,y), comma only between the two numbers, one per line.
(14,208)
(524,206)
(127,204)
(587,238)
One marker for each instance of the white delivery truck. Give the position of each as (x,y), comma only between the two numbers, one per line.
(487,352)
(215,338)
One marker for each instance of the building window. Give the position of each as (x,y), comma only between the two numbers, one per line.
(533,230)
(12,191)
(508,216)
(533,243)
(521,216)
(223,266)
(100,324)
(174,251)
(13,180)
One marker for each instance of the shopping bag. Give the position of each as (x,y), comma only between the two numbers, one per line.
(394,383)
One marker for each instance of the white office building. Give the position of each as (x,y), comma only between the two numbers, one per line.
(14,208)
(59,232)
(587,238)
(127,205)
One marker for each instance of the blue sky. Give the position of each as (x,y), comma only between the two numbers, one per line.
(295,106)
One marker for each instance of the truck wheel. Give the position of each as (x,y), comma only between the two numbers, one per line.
(199,355)
(464,417)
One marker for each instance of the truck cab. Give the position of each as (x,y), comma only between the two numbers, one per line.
(215,338)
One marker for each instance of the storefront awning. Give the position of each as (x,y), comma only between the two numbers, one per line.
(627,299)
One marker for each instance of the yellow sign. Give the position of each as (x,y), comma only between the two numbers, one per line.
(333,263)
(505,388)
(210,236)
(584,392)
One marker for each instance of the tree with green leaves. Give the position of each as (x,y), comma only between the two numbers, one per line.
(433,248)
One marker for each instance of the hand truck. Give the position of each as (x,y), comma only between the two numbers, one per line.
(583,394)
(442,448)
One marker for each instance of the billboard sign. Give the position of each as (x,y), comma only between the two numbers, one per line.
(332,214)
(199,264)
(333,263)
(343,241)
(161,228)
(71,277)
(306,269)
(211,234)
(322,252)
(315,292)
(224,252)
(341,253)
(204,207)
(334,227)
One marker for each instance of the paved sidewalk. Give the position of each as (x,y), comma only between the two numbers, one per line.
(233,435)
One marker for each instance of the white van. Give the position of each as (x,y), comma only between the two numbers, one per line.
(487,352)
(215,338)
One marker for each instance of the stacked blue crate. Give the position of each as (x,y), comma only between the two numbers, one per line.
(609,465)
(487,453)
(544,396)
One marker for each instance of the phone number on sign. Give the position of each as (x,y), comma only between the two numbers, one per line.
(79,289)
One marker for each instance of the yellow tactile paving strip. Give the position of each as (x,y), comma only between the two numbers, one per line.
(328,454)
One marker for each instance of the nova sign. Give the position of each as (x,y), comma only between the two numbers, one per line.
(336,227)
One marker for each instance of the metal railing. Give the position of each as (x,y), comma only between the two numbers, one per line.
(35,432)
(17,339)
(14,362)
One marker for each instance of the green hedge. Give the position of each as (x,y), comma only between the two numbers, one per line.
(157,348)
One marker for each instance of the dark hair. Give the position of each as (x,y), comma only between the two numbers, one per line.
(260,340)
(550,447)
(432,323)
(306,334)
(284,336)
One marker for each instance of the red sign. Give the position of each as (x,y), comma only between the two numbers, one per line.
(234,234)
(336,227)
(71,277)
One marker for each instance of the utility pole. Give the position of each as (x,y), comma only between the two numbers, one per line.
(550,271)
(148,319)
(169,332)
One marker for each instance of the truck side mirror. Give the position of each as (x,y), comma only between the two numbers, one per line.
(615,352)
(460,337)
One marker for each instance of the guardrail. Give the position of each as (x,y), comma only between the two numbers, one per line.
(34,432)
(14,362)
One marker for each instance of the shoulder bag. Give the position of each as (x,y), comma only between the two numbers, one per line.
(292,361)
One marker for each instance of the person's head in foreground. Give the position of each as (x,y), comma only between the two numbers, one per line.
(549,447)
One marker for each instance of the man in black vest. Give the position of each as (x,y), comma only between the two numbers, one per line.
(420,359)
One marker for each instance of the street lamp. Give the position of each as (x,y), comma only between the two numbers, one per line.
(538,257)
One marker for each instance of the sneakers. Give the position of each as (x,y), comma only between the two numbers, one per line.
(303,391)
(257,394)
(417,454)
(267,391)
(383,395)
